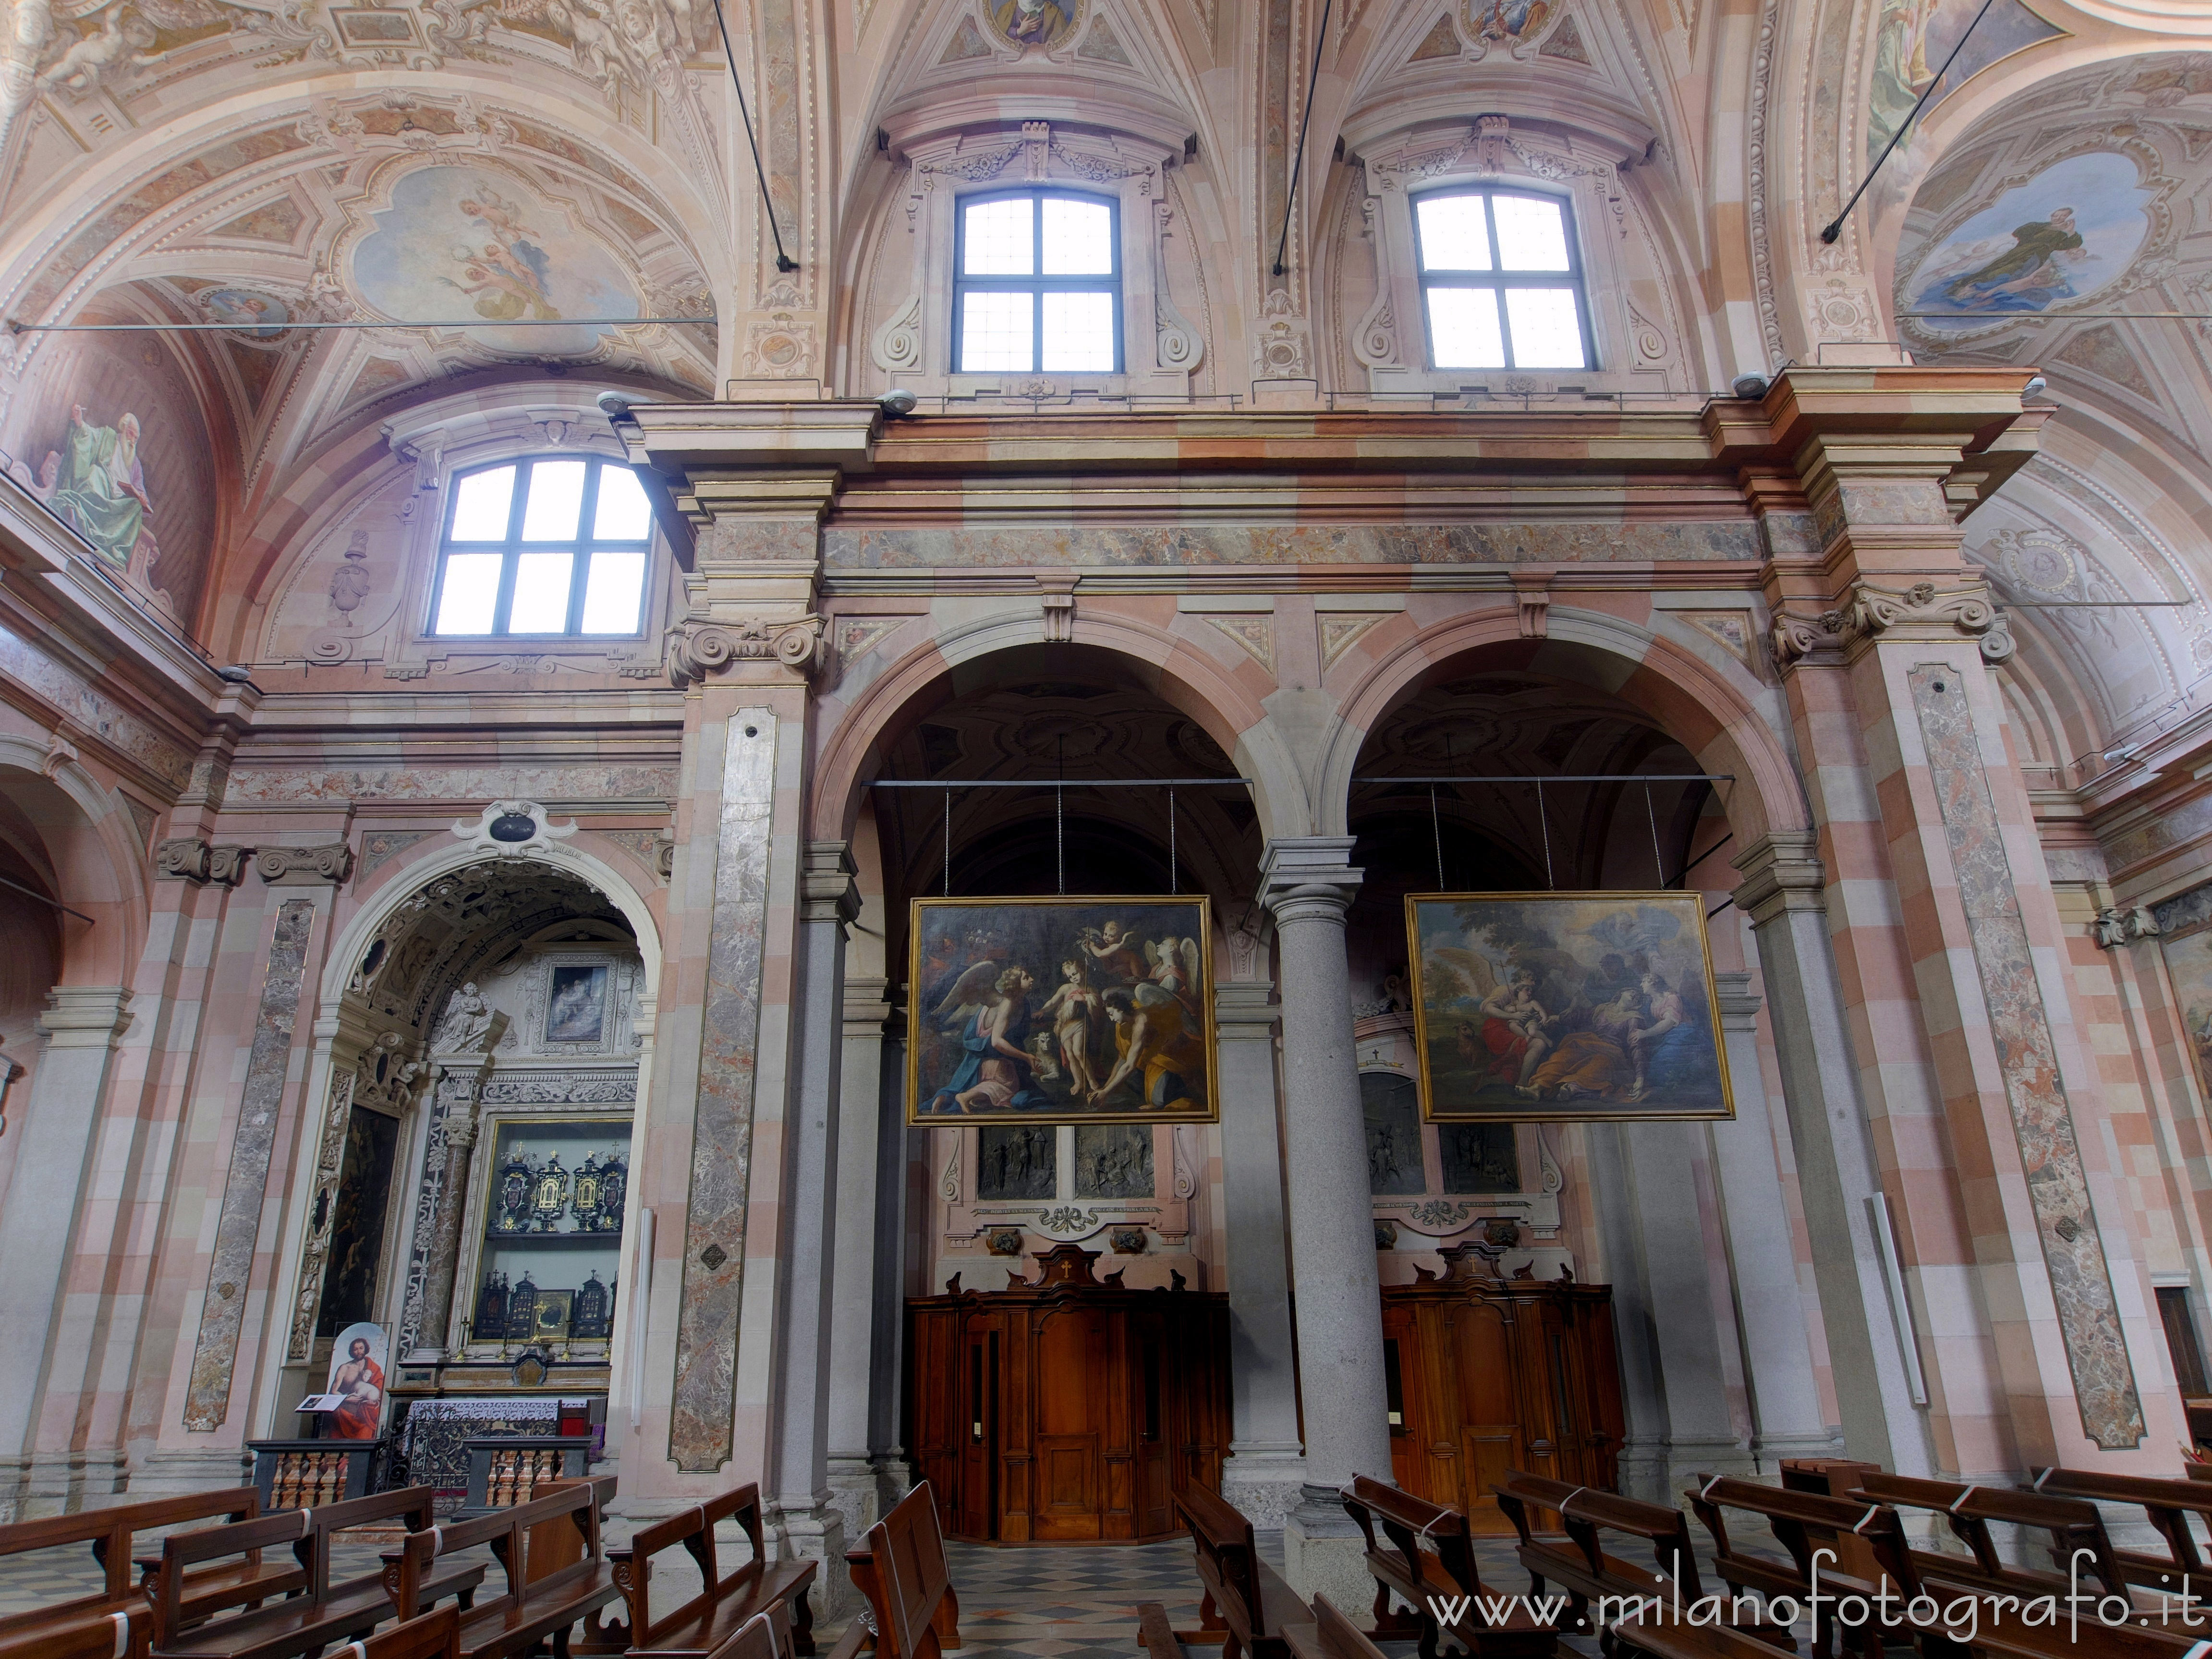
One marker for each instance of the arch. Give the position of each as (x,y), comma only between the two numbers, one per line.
(1184,677)
(409,878)
(1695,704)
(98,865)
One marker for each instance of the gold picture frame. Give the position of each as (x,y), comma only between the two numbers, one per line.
(1565,1007)
(961,1021)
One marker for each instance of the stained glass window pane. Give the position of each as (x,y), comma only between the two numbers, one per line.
(1078,238)
(1078,333)
(557,496)
(1532,232)
(1001,241)
(471,593)
(611,592)
(996,332)
(480,505)
(1547,333)
(1463,328)
(1454,233)
(541,593)
(623,514)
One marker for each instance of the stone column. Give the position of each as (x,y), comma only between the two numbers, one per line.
(808,1522)
(59,1124)
(1307,883)
(445,1197)
(1787,1420)
(852,1358)
(1782,892)
(1267,1465)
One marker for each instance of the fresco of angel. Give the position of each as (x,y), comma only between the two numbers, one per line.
(1043,1010)
(1564,1005)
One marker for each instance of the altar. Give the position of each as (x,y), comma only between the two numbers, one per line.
(433,1433)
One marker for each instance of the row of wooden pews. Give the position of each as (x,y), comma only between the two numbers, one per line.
(255,1586)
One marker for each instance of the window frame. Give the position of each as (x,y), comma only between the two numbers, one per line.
(510,549)
(1037,285)
(1498,279)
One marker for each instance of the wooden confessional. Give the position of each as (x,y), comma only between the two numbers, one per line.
(1487,1374)
(1069,1408)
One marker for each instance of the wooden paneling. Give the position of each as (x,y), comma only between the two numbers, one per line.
(1068,1409)
(1496,1374)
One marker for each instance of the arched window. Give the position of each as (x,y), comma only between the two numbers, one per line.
(1501,283)
(544,548)
(1037,284)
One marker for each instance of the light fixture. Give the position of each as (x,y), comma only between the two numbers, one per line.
(1749,387)
(897,402)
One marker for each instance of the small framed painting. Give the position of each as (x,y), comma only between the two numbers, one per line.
(1564,1005)
(1062,1010)
(575,1004)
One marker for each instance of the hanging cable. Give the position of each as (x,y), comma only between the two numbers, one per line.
(948,843)
(1059,841)
(272,329)
(1544,823)
(1835,226)
(1436,827)
(783,261)
(1658,865)
(1298,161)
(1175,883)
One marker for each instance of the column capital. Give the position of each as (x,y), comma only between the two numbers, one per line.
(1782,872)
(1245,1010)
(85,1016)
(1308,878)
(1739,1003)
(826,890)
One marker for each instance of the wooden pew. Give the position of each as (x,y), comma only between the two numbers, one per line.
(1582,1567)
(1400,1565)
(763,1636)
(1654,1635)
(320,1614)
(1331,1636)
(434,1636)
(2072,1524)
(33,1635)
(544,1599)
(900,1567)
(2168,1505)
(727,1602)
(1245,1601)
(1804,1523)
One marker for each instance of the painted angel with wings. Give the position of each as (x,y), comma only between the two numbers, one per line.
(1510,1032)
(1175,965)
(1112,950)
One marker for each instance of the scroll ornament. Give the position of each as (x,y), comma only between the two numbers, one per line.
(697,650)
(1872,611)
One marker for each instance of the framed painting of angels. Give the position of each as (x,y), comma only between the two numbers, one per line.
(1564,1005)
(1061,1010)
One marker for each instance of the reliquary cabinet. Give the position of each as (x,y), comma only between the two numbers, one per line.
(1069,1408)
(1487,1374)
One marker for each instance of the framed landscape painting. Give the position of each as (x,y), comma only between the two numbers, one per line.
(1061,1010)
(1590,1006)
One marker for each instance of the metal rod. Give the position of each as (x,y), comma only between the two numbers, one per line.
(1567,777)
(1701,857)
(1658,864)
(948,843)
(1298,161)
(1544,822)
(2098,604)
(783,261)
(1071,783)
(34,892)
(16,327)
(1436,828)
(1835,226)
(1175,881)
(2054,316)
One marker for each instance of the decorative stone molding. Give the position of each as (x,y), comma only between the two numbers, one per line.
(1923,611)
(1817,640)
(1309,877)
(2123,924)
(1532,597)
(826,888)
(1998,645)
(513,829)
(1782,872)
(188,859)
(696,649)
(1058,588)
(304,866)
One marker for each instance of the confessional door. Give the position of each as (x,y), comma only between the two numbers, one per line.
(1068,1410)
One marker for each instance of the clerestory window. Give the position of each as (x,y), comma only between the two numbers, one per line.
(1500,281)
(1037,284)
(543,548)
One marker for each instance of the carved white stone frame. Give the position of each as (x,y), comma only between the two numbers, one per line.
(1161,347)
(1632,352)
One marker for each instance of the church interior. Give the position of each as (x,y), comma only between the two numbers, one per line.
(1081,827)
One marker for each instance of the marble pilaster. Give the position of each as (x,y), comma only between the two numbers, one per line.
(426,1325)
(857,1361)
(1307,885)
(1266,1462)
